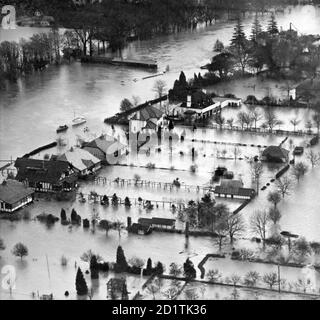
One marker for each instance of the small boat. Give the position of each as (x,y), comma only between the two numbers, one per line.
(78,121)
(62,128)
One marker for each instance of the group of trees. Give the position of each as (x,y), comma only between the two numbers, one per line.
(214,217)
(272,48)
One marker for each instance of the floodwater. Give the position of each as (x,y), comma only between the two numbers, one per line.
(32,109)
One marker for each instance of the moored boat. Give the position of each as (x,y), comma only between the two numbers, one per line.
(78,121)
(62,128)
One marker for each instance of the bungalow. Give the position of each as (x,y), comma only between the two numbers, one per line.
(145,119)
(233,189)
(14,195)
(105,147)
(82,161)
(160,223)
(46,175)
(275,154)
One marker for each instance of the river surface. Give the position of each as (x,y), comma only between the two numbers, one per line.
(31,110)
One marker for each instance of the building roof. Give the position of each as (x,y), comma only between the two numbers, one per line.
(12,191)
(275,152)
(151,124)
(147,113)
(48,171)
(107,144)
(236,184)
(80,159)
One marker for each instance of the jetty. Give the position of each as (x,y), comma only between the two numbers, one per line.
(147,64)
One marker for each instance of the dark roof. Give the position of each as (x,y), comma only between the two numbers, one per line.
(153,221)
(107,144)
(275,152)
(243,192)
(12,191)
(136,227)
(49,171)
(148,113)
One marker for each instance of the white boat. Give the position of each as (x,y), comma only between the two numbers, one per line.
(78,121)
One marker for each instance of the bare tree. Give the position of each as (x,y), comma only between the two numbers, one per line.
(314,158)
(255,115)
(271,119)
(284,186)
(230,122)
(175,270)
(299,170)
(235,225)
(235,279)
(274,198)
(271,279)
(236,152)
(214,275)
(295,122)
(191,294)
(160,88)
(274,215)
(153,289)
(251,278)
(259,222)
(256,172)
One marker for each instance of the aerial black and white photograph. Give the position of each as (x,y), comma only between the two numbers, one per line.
(159,150)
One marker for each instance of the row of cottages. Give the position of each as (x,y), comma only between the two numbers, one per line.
(106,148)
(14,195)
(82,161)
(146,119)
(233,189)
(46,175)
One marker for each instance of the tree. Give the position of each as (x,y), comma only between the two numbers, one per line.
(94,267)
(218,46)
(256,29)
(175,270)
(63,215)
(230,122)
(214,275)
(221,63)
(302,247)
(189,270)
(272,26)
(191,295)
(284,186)
(235,226)
(274,215)
(160,88)
(235,279)
(314,158)
(20,250)
(299,170)
(271,279)
(295,122)
(256,172)
(259,222)
(125,105)
(159,269)
(316,120)
(121,262)
(2,246)
(271,119)
(153,289)
(81,285)
(251,278)
(255,116)
(274,198)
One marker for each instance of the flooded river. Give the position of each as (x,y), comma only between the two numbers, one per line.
(32,109)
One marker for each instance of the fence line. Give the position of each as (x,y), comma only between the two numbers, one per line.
(151,184)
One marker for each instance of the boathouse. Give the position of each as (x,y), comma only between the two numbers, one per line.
(160,223)
(14,195)
(233,189)
(46,175)
(82,161)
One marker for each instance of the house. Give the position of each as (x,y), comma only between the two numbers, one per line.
(145,119)
(46,175)
(233,189)
(81,160)
(106,148)
(160,223)
(275,154)
(14,195)
(308,91)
